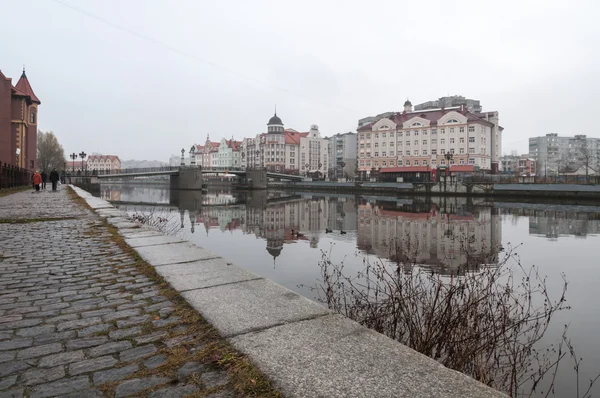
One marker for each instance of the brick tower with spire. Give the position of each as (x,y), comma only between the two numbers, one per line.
(18,122)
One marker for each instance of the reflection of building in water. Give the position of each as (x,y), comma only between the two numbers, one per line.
(428,237)
(341,214)
(110,194)
(553,224)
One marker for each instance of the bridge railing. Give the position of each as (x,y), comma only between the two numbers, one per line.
(13,176)
(512,179)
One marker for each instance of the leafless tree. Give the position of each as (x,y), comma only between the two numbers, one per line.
(50,154)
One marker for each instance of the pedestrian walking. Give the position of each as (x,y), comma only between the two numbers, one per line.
(54,177)
(44,179)
(37,181)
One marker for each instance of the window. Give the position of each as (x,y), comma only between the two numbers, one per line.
(442,162)
(407,153)
(400,134)
(452,130)
(377,145)
(32,116)
(452,140)
(408,162)
(433,131)
(461,130)
(461,161)
(391,143)
(408,133)
(362,136)
(452,151)
(443,141)
(399,163)
(424,163)
(383,154)
(384,127)
(400,143)
(471,150)
(452,121)
(391,153)
(384,134)
(416,142)
(461,150)
(471,139)
(424,151)
(471,129)
(424,142)
(424,132)
(376,154)
(434,151)
(399,153)
(451,161)
(471,161)
(416,132)
(391,134)
(443,131)
(376,135)
(443,151)
(462,140)
(408,143)
(415,124)
(433,161)
(384,163)
(383,144)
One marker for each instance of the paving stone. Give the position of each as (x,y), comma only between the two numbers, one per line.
(91,365)
(7,382)
(133,321)
(149,338)
(15,393)
(189,369)
(137,353)
(103,327)
(38,376)
(86,342)
(174,392)
(160,323)
(109,348)
(179,340)
(61,387)
(15,344)
(134,386)
(155,361)
(61,359)
(214,379)
(12,367)
(121,314)
(5,335)
(165,312)
(23,323)
(99,312)
(36,330)
(123,333)
(53,337)
(6,356)
(39,350)
(78,323)
(116,374)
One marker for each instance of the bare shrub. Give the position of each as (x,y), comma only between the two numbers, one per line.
(165,224)
(476,311)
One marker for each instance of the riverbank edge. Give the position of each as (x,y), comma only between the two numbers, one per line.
(303,348)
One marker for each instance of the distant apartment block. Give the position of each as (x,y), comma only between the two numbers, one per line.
(561,155)
(518,165)
(449,102)
(342,155)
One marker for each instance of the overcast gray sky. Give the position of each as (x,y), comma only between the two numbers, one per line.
(183,69)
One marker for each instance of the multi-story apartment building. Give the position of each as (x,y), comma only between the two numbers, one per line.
(448,102)
(314,153)
(223,155)
(559,155)
(518,165)
(18,123)
(342,155)
(423,138)
(103,163)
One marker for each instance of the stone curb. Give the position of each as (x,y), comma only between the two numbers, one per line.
(306,350)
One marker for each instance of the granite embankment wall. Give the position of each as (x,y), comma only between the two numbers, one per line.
(306,350)
(579,191)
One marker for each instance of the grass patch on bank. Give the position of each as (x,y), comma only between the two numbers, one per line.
(10,191)
(32,220)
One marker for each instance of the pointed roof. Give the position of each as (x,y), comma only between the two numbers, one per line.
(24,87)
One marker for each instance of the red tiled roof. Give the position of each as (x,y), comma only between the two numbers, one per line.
(24,87)
(464,167)
(103,157)
(406,169)
(432,115)
(293,137)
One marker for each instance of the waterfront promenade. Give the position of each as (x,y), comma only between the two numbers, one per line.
(78,317)
(81,315)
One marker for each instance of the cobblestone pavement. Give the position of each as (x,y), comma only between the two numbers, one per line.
(78,319)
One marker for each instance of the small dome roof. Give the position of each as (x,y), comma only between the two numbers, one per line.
(275,120)
(274,251)
(407,103)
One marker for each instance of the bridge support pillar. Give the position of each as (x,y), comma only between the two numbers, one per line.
(188,178)
(256,179)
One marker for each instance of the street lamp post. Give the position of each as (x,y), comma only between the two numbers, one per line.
(82,155)
(182,158)
(73,156)
(306,165)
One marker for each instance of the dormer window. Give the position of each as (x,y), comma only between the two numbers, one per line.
(452,121)
(416,124)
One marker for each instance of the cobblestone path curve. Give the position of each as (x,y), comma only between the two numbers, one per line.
(78,319)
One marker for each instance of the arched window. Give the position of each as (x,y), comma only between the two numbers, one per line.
(384,127)
(416,124)
(452,121)
(32,116)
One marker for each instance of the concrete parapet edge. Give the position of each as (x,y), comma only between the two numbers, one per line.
(302,347)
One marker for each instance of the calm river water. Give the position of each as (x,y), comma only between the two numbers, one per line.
(258,231)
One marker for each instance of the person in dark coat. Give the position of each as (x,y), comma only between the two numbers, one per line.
(54,177)
(44,179)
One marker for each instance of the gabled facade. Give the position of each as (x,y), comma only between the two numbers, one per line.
(103,163)
(423,138)
(18,123)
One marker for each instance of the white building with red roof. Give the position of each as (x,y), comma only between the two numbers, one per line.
(103,163)
(422,139)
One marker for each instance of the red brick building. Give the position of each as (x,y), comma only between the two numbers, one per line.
(18,122)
